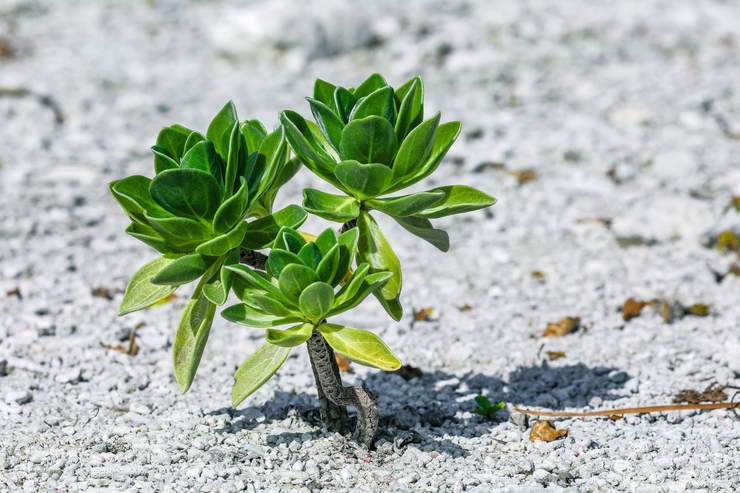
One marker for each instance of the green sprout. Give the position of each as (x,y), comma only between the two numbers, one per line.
(208,211)
(369,142)
(486,408)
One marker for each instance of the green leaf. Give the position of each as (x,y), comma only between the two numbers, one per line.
(344,101)
(181,233)
(316,301)
(356,293)
(171,141)
(289,239)
(392,306)
(370,85)
(183,270)
(310,255)
(203,156)
(374,249)
(132,193)
(457,199)
(347,247)
(331,125)
(415,149)
(410,99)
(443,140)
(149,236)
(162,160)
(267,304)
(368,140)
(338,208)
(361,346)
(259,281)
(217,288)
(254,133)
(294,279)
(323,91)
(290,337)
(307,148)
(262,232)
(141,292)
(285,170)
(363,180)
(256,370)
(244,314)
(186,192)
(279,259)
(235,158)
(232,210)
(193,139)
(219,130)
(326,240)
(380,103)
(423,228)
(406,205)
(327,267)
(353,285)
(191,338)
(221,244)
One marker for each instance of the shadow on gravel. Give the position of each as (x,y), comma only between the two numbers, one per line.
(439,404)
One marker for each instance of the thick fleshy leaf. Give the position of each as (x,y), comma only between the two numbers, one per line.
(263,165)
(331,125)
(162,160)
(316,301)
(149,236)
(193,139)
(171,140)
(254,133)
(289,239)
(368,140)
(235,159)
(369,85)
(180,232)
(290,337)
(457,199)
(218,287)
(338,208)
(380,103)
(415,149)
(423,228)
(232,210)
(190,340)
(374,249)
(363,180)
(347,247)
(256,370)
(391,306)
(350,289)
(186,192)
(294,279)
(259,280)
(215,247)
(244,314)
(262,232)
(324,91)
(219,130)
(443,140)
(344,101)
(279,259)
(132,193)
(361,346)
(141,292)
(326,240)
(327,267)
(370,283)
(285,170)
(410,100)
(203,156)
(310,255)
(406,205)
(183,270)
(304,144)
(267,304)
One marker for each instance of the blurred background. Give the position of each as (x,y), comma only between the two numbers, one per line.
(609,132)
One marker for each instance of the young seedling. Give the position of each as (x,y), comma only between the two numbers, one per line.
(208,211)
(486,408)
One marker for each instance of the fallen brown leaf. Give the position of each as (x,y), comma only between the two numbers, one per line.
(555,355)
(344,364)
(102,292)
(523,176)
(632,308)
(544,430)
(735,202)
(538,275)
(728,241)
(408,372)
(698,310)
(465,308)
(601,221)
(734,269)
(423,314)
(16,291)
(563,327)
(713,393)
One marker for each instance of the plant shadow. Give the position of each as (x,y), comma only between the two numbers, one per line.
(436,404)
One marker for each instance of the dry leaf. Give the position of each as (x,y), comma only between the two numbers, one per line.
(555,355)
(632,308)
(734,269)
(698,310)
(344,364)
(538,275)
(407,372)
(102,292)
(523,176)
(423,314)
(465,308)
(728,241)
(16,291)
(563,327)
(132,349)
(601,221)
(735,202)
(6,49)
(713,393)
(544,430)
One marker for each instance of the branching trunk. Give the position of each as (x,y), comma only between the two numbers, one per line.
(336,396)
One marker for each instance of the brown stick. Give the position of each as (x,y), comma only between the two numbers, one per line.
(630,410)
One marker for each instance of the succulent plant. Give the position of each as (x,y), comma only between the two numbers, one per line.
(301,286)
(193,212)
(369,142)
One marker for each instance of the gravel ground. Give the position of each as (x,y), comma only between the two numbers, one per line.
(628,112)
